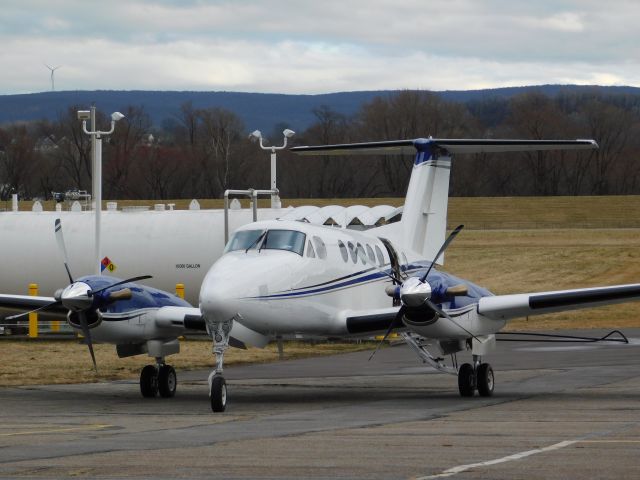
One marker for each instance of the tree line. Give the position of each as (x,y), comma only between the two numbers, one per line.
(199,153)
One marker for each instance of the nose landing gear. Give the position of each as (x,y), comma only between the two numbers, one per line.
(217,385)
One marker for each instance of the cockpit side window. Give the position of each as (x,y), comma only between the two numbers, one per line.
(243,239)
(321,248)
(310,251)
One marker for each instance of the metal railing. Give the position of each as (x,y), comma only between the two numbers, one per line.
(253,194)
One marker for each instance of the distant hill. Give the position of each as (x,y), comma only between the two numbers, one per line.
(264,111)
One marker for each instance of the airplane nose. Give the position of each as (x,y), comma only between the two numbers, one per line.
(237,283)
(217,298)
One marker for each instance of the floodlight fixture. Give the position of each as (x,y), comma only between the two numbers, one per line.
(116,116)
(255,135)
(84,115)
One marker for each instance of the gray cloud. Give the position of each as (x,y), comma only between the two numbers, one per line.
(313,47)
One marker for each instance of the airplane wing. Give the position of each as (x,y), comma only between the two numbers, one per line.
(506,307)
(25,303)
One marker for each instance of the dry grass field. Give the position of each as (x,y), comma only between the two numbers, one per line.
(509,245)
(26,362)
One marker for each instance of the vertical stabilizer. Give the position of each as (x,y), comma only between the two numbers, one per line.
(424,218)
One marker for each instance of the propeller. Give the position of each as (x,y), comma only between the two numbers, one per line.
(416,292)
(80,299)
(62,248)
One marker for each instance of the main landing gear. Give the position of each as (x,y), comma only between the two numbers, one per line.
(217,384)
(477,376)
(158,379)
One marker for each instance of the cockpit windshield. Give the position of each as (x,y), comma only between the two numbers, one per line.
(290,240)
(243,239)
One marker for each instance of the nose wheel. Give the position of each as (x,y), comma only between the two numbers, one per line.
(480,378)
(217,385)
(218,392)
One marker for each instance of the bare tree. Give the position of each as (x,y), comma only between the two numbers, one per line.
(221,130)
(122,149)
(17,160)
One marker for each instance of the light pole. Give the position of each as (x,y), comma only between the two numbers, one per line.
(256,135)
(96,163)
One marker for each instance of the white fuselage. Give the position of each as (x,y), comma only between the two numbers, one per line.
(283,292)
(299,293)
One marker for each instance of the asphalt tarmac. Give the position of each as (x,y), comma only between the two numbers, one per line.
(559,411)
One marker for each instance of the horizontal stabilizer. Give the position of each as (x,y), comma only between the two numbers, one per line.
(410,147)
(505,307)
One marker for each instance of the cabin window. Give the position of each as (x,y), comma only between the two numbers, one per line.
(310,251)
(352,251)
(361,254)
(372,257)
(243,239)
(380,256)
(289,240)
(321,248)
(343,251)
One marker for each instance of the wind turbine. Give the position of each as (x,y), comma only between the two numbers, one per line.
(53,69)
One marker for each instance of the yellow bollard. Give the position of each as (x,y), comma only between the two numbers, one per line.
(33,317)
(55,326)
(180,290)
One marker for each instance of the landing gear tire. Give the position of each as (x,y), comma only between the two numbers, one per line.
(218,394)
(149,381)
(466,380)
(485,380)
(167,381)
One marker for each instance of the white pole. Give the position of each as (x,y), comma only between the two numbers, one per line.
(97,191)
(14,202)
(275,199)
(96,196)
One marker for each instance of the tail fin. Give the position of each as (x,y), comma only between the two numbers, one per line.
(424,218)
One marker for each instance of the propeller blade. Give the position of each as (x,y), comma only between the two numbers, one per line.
(397,319)
(24,314)
(390,275)
(444,314)
(62,248)
(128,280)
(86,331)
(444,246)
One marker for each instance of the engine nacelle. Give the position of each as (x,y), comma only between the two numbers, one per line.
(92,316)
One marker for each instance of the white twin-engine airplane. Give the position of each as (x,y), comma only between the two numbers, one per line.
(293,279)
(283,279)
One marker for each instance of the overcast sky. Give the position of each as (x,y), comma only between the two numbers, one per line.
(316,46)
